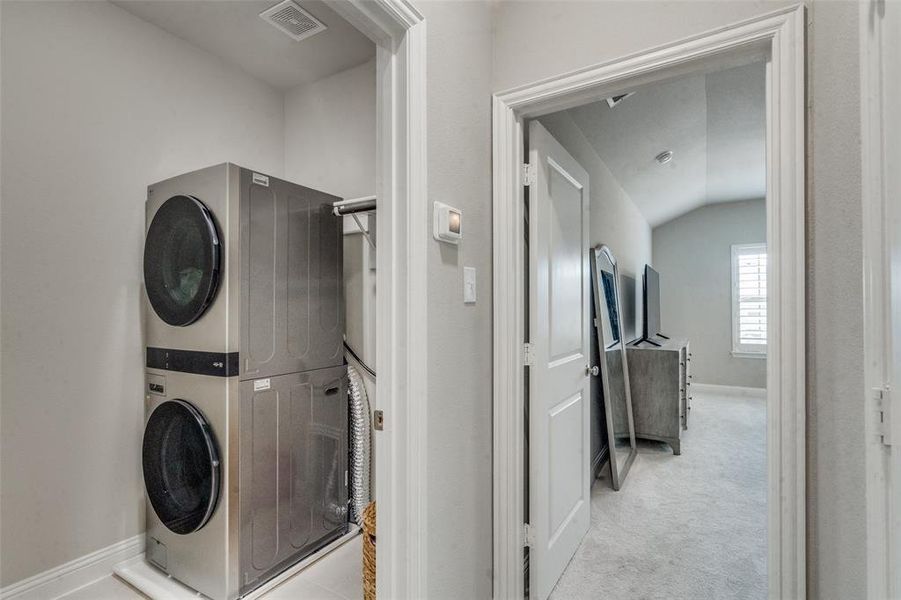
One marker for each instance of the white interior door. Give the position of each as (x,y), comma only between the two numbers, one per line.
(559,397)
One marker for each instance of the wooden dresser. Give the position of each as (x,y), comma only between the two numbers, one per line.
(660,381)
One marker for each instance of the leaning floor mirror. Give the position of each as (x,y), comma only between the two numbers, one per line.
(614,370)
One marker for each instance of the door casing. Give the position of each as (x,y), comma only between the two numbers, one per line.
(779,38)
(880,43)
(399,32)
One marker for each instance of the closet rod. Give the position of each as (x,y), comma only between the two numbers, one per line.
(355,207)
(365,204)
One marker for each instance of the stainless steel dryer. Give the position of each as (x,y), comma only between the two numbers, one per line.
(245,447)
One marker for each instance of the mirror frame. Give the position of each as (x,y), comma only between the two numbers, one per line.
(600,303)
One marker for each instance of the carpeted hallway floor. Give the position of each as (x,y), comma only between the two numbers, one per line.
(689,527)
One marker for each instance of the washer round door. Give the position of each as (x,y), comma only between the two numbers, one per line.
(181,466)
(182,258)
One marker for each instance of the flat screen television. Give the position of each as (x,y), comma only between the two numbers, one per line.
(651,304)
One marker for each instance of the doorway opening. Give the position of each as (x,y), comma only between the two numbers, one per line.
(666,228)
(290,433)
(674,176)
(218,83)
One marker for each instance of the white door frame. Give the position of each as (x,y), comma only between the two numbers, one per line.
(398,29)
(880,27)
(780,36)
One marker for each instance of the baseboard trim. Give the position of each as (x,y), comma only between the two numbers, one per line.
(74,574)
(729,390)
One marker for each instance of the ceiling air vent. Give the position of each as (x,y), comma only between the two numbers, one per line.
(292,20)
(614,100)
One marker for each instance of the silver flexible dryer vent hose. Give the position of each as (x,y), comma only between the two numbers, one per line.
(360,444)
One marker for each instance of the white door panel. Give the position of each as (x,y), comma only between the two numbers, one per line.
(565,487)
(559,287)
(565,257)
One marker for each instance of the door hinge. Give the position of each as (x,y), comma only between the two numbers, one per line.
(528,535)
(528,174)
(883,398)
(379,424)
(528,354)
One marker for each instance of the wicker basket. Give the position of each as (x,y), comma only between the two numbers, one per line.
(369,552)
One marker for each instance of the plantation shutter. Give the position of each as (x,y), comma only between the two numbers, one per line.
(749,263)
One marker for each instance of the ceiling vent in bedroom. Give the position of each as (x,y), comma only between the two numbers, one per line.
(614,100)
(292,20)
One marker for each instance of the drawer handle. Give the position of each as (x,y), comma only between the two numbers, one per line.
(331,391)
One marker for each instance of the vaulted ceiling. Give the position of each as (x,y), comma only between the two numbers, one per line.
(714,124)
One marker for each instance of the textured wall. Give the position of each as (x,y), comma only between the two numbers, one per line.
(330,133)
(96,104)
(693,254)
(836,407)
(575,33)
(459,401)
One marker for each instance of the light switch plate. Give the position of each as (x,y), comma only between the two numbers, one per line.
(469,285)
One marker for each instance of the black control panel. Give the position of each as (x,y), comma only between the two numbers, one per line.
(218,364)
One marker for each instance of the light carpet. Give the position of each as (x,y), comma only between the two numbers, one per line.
(687,527)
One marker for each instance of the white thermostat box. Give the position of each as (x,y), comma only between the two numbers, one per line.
(448,223)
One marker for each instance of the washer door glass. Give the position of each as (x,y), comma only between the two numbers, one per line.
(181,466)
(181,260)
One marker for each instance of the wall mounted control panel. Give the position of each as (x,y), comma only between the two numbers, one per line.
(448,223)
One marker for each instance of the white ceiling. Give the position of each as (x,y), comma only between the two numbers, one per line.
(715,124)
(234,31)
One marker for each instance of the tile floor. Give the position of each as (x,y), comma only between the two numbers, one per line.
(337,576)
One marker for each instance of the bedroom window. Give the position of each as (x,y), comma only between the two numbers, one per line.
(749,300)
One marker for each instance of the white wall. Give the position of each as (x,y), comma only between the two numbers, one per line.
(96,104)
(836,409)
(330,133)
(614,218)
(577,34)
(459,362)
(693,254)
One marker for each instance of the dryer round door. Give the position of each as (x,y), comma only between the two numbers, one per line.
(181,466)
(182,260)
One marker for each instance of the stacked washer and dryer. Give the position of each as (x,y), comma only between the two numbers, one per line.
(245,446)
